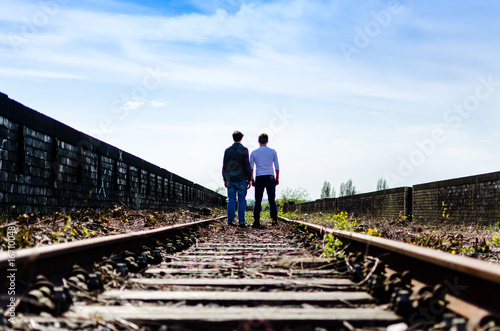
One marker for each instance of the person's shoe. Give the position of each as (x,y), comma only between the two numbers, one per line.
(242,226)
(274,222)
(231,224)
(256,225)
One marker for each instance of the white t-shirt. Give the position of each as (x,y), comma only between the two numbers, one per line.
(264,158)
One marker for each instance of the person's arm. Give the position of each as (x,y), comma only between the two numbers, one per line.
(252,162)
(248,167)
(224,169)
(276,167)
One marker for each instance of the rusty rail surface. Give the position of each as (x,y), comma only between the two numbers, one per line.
(472,286)
(232,278)
(242,279)
(56,260)
(210,276)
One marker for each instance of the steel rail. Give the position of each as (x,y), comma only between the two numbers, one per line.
(283,290)
(473,285)
(55,260)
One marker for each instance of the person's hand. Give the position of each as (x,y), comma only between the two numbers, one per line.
(253,183)
(225,184)
(277,181)
(249,184)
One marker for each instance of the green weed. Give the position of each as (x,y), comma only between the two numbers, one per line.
(332,246)
(496,239)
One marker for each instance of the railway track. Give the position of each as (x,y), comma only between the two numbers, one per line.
(207,275)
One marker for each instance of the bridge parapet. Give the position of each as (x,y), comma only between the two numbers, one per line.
(48,166)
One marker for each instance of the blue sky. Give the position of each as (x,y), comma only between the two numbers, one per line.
(403,90)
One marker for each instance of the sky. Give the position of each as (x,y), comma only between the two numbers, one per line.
(403,90)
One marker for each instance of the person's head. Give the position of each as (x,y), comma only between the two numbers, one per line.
(263,139)
(237,136)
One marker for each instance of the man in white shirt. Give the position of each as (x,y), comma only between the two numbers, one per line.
(265,162)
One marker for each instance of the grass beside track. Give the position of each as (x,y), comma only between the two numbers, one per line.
(476,240)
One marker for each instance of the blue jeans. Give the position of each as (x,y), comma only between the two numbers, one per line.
(232,189)
(269,184)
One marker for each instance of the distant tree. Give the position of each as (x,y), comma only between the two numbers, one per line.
(221,190)
(326,191)
(347,189)
(382,184)
(293,195)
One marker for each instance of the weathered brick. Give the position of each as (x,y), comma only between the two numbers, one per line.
(64,167)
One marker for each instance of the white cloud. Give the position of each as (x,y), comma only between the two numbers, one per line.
(233,65)
(38,73)
(134,105)
(271,57)
(158,103)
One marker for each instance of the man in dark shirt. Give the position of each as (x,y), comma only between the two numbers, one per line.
(237,178)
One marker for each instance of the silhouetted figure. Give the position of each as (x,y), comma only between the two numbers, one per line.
(237,178)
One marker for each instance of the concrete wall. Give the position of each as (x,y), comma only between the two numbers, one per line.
(48,166)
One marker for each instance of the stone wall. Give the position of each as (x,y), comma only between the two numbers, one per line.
(48,166)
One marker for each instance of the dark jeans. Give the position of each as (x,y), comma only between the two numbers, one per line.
(269,184)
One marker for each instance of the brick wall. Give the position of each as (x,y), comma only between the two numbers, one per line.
(48,166)
(467,199)
(386,204)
